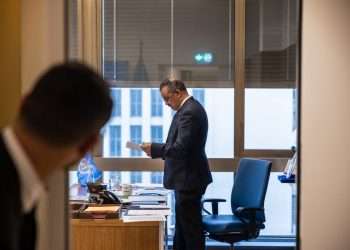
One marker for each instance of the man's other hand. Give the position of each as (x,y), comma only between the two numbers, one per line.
(146,147)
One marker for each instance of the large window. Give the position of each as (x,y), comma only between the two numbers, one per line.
(147,41)
(237,58)
(250,112)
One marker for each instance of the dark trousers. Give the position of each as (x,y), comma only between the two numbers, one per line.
(189,233)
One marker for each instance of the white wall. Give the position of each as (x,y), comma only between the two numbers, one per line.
(325,125)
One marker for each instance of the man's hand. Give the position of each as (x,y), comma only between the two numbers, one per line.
(146,147)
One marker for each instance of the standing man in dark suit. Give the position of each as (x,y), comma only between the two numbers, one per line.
(58,122)
(186,168)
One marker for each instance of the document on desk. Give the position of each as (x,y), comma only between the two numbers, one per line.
(133,145)
(151,192)
(140,218)
(160,206)
(143,212)
(146,198)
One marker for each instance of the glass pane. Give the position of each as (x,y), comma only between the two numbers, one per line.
(280,208)
(136,39)
(140,125)
(219,104)
(202,40)
(270,66)
(145,41)
(270,121)
(220,188)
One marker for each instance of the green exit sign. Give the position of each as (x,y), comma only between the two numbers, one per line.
(203,57)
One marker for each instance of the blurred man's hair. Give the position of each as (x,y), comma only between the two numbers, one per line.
(67,103)
(173,85)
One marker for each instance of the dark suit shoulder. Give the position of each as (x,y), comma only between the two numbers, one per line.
(11,207)
(10,183)
(193,106)
(7,165)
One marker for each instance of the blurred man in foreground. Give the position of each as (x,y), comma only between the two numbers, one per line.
(57,123)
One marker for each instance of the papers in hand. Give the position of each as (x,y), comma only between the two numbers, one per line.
(132,145)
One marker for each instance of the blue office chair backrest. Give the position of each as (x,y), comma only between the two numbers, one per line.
(250,184)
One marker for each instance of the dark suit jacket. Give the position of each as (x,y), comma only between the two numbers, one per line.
(17,230)
(186,164)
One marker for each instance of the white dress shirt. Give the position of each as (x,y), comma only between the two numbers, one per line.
(31,185)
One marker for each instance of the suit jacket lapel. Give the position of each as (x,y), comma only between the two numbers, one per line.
(172,127)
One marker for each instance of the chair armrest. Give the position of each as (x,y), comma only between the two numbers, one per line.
(214,205)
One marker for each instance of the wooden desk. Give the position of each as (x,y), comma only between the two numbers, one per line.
(113,234)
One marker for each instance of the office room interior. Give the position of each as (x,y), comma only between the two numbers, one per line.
(272,75)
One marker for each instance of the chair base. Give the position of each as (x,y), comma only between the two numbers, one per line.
(228,238)
(232,238)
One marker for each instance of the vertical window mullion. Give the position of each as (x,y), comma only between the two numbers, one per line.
(239,77)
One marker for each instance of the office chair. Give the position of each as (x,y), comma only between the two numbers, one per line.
(247,204)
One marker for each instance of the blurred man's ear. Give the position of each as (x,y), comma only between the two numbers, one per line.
(88,144)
